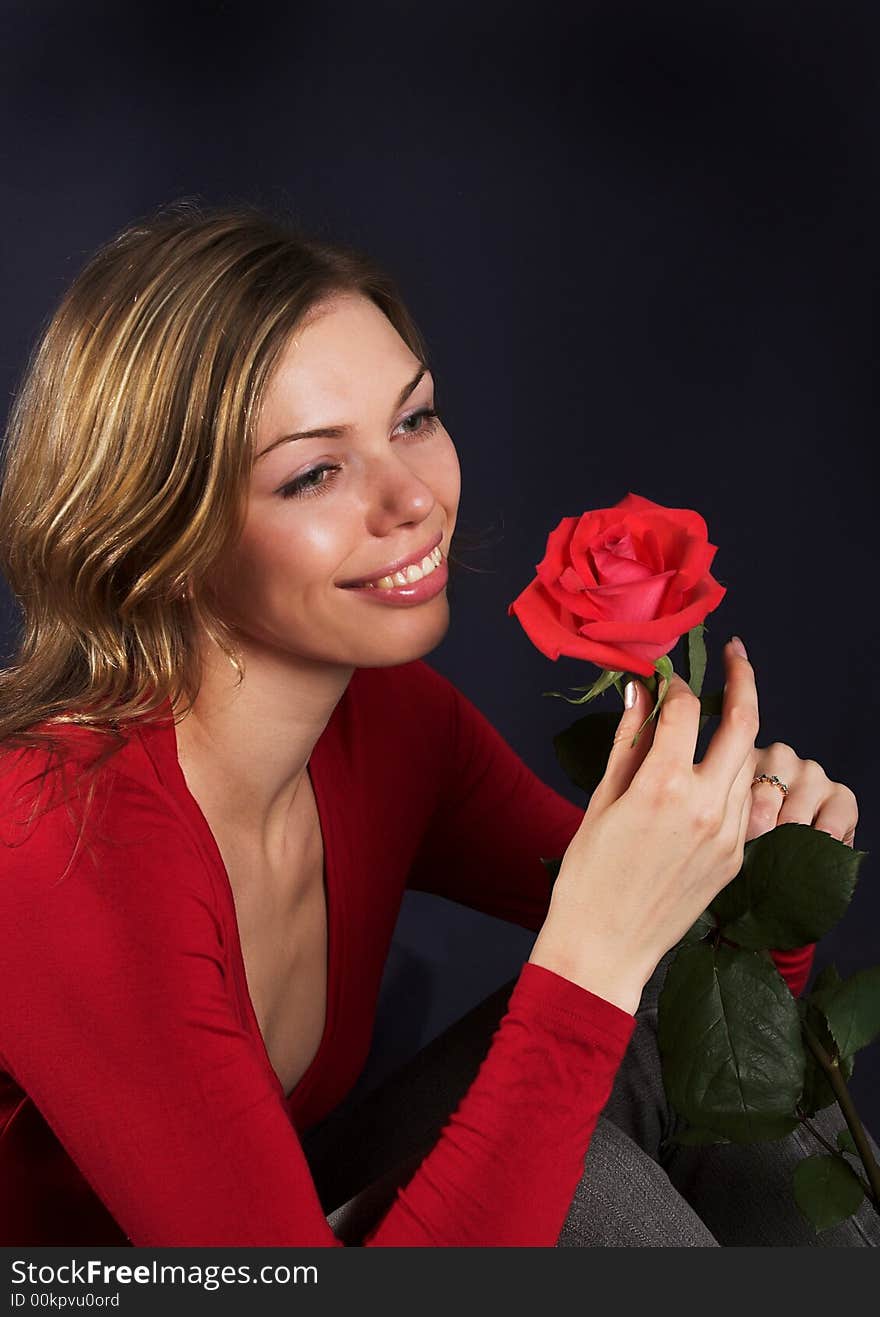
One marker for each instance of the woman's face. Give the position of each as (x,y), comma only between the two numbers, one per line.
(326,510)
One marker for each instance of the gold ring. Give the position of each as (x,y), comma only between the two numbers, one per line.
(773,780)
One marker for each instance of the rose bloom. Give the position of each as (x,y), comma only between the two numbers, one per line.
(619,586)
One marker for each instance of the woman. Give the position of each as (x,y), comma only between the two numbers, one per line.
(225,452)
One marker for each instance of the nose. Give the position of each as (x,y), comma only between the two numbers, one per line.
(397,496)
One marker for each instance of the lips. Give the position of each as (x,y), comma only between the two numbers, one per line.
(398,565)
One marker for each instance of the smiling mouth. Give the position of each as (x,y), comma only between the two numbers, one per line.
(404,575)
(407,576)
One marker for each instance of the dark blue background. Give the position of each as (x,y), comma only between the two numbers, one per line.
(640,240)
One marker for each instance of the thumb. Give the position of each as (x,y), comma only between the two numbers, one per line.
(624,759)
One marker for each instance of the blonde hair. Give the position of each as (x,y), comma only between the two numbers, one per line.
(129,450)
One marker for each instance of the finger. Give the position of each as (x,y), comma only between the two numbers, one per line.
(734,739)
(798,805)
(818,802)
(624,758)
(678,727)
(766,801)
(836,816)
(742,791)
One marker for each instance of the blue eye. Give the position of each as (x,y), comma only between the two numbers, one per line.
(302,486)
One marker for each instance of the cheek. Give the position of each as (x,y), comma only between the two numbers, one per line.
(262,557)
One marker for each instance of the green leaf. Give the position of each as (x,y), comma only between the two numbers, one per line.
(846,1142)
(826,978)
(663,665)
(794,885)
(826,1190)
(583,748)
(696,657)
(729,1037)
(700,928)
(732,902)
(852,1009)
(608,677)
(818,1092)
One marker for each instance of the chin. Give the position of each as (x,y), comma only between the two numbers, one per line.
(388,652)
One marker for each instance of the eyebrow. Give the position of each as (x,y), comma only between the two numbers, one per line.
(337,431)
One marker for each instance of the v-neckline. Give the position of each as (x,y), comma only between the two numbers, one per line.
(322,808)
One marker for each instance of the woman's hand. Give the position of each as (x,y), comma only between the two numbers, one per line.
(660,837)
(812,797)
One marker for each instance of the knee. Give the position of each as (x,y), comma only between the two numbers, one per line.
(625,1198)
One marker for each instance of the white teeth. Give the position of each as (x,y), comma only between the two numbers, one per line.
(412,573)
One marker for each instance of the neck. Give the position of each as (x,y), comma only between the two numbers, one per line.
(245,748)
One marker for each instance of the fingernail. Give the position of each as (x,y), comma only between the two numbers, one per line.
(738,647)
(629,694)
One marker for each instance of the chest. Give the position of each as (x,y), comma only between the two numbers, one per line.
(281,911)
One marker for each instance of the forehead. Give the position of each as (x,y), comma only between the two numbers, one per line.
(342,349)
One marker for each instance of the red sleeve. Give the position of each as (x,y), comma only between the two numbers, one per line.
(118,1020)
(496,820)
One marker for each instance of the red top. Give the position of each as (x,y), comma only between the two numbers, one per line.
(137,1100)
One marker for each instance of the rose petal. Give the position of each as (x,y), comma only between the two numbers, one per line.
(538,617)
(570,580)
(707,596)
(637,601)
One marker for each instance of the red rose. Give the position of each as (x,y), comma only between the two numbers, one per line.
(620,586)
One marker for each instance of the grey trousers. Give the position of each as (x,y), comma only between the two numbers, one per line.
(638,1188)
